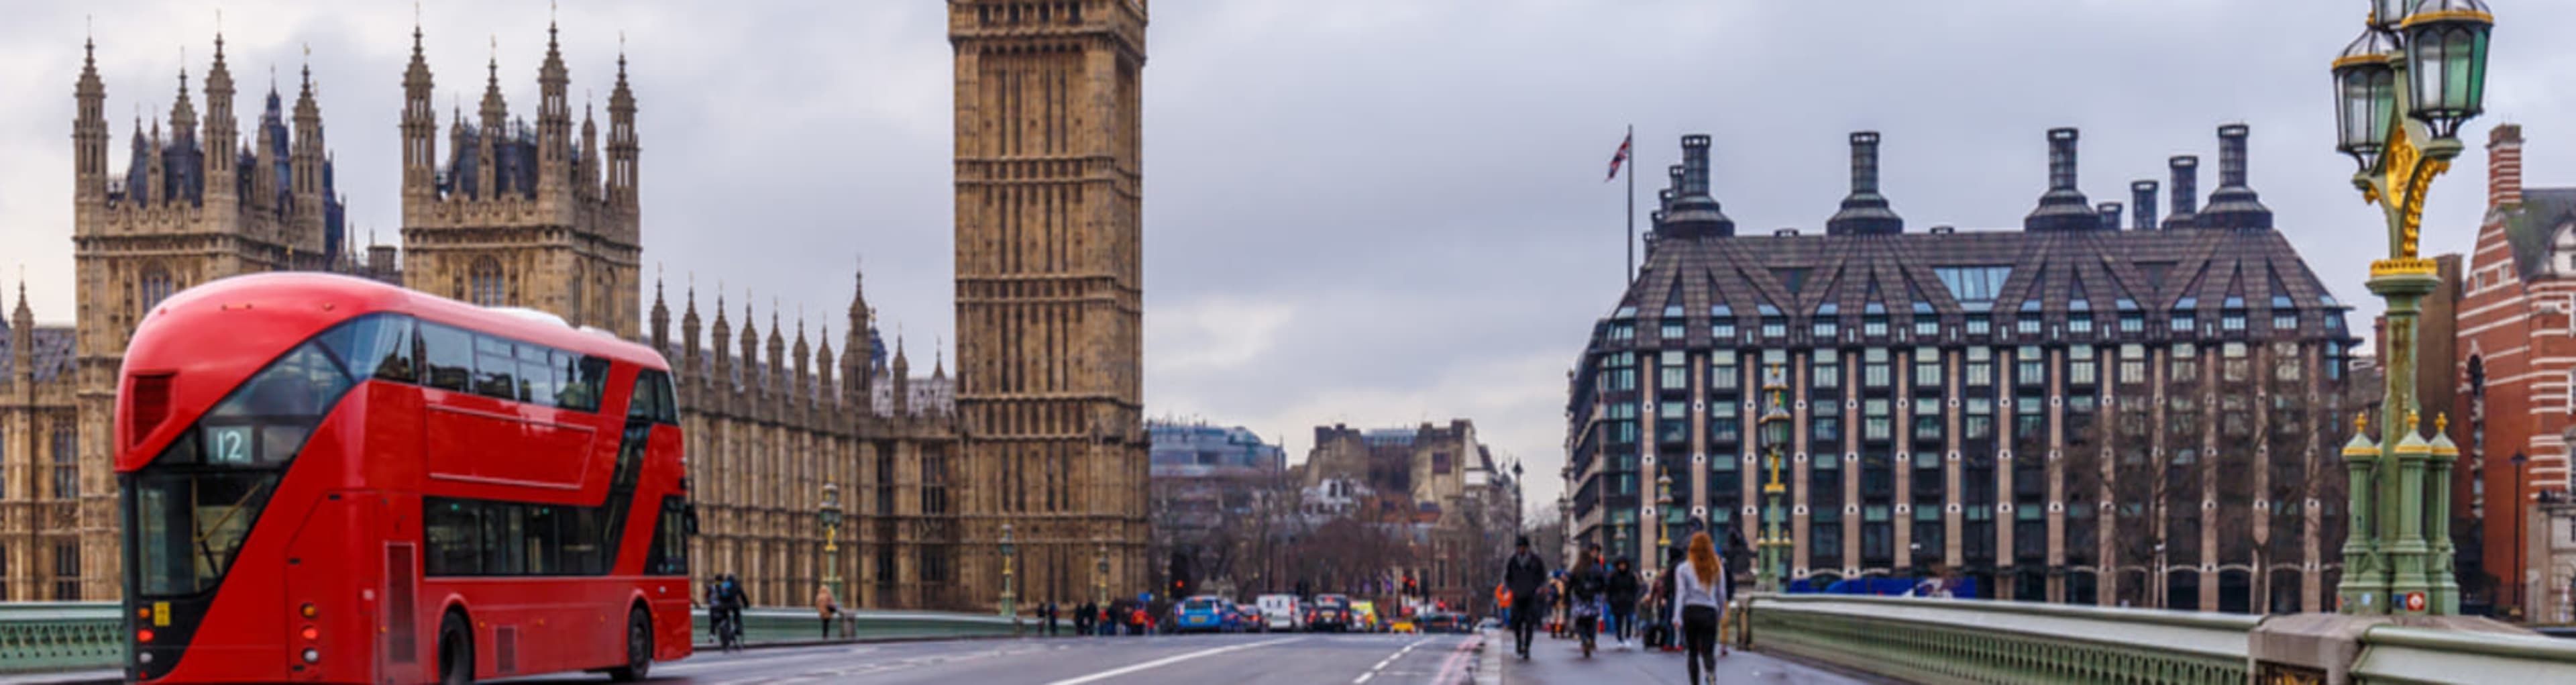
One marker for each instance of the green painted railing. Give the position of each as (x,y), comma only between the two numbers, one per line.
(72,636)
(59,636)
(1971,641)
(797,626)
(1966,641)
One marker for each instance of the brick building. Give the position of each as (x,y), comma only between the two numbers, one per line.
(2514,371)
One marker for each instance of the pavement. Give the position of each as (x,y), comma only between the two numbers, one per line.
(1255,659)
(1554,661)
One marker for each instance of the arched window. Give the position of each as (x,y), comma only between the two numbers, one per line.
(155,286)
(485,282)
(66,463)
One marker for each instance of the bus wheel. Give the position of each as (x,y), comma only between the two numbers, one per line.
(455,651)
(639,648)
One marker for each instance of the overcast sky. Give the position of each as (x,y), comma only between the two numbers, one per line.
(1374,212)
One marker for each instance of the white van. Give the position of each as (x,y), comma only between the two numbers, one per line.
(1280,612)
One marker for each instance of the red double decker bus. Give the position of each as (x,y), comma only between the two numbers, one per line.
(327,479)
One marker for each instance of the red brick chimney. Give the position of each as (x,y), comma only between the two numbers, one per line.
(2504,165)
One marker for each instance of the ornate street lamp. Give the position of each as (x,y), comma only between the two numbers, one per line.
(830,514)
(1100,580)
(2366,83)
(1009,554)
(2395,560)
(1774,433)
(2446,41)
(1663,520)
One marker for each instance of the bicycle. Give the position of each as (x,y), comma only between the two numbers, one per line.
(728,629)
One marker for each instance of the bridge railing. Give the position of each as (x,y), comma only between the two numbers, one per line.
(1972,641)
(74,636)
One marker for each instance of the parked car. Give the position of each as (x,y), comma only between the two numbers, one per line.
(1330,613)
(1248,619)
(1402,624)
(1281,612)
(1201,614)
(1364,616)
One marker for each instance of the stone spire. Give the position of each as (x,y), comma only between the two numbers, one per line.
(902,379)
(661,315)
(495,114)
(419,126)
(777,346)
(823,361)
(90,139)
(554,124)
(223,137)
(723,343)
(586,170)
(306,161)
(938,360)
(689,327)
(750,343)
(803,355)
(621,138)
(183,113)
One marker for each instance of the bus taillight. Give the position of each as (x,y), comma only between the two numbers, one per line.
(312,656)
(311,611)
(144,635)
(311,633)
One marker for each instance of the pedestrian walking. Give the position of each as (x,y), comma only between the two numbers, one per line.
(1584,590)
(1622,590)
(1699,594)
(1523,575)
(828,608)
(1049,611)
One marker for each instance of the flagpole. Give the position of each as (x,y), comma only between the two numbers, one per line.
(1631,274)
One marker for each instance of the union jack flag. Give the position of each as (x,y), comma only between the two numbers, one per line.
(1619,158)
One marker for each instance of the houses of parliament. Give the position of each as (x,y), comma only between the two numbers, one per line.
(1037,439)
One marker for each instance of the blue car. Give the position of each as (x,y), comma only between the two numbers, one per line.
(1201,614)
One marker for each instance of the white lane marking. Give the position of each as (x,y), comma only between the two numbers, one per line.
(1381,664)
(1166,661)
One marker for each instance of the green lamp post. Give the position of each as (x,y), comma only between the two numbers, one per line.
(1009,554)
(2403,89)
(1774,427)
(1100,580)
(830,513)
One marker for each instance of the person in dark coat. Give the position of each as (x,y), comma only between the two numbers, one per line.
(1523,575)
(1622,589)
(1585,585)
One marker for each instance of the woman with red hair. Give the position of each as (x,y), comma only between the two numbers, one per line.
(1699,590)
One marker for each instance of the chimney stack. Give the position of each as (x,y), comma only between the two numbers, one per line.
(2142,199)
(2111,213)
(1694,213)
(2504,165)
(2186,191)
(2234,204)
(1865,211)
(2063,208)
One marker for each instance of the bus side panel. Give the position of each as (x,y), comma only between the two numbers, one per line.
(669,594)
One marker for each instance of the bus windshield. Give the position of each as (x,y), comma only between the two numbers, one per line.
(195,503)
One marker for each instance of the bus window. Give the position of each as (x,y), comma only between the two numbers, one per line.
(536,376)
(375,347)
(453,535)
(653,400)
(504,538)
(496,368)
(545,540)
(265,421)
(448,354)
(669,555)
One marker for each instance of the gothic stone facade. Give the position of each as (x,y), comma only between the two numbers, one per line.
(1447,482)
(515,218)
(2069,413)
(1050,291)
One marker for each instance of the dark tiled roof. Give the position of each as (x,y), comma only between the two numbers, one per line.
(1800,274)
(2529,228)
(54,356)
